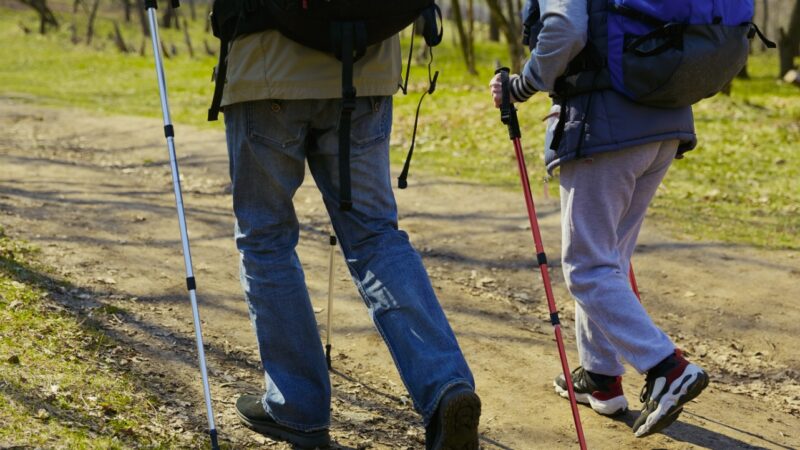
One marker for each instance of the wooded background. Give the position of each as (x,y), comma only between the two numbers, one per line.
(474,20)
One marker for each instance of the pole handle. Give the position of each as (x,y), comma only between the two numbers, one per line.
(508,113)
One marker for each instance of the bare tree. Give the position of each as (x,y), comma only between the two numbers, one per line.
(510,30)
(143,18)
(188,39)
(494,29)
(127,6)
(789,41)
(192,10)
(46,17)
(90,26)
(463,39)
(119,41)
(170,17)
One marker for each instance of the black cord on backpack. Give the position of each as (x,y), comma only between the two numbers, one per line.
(404,86)
(402,182)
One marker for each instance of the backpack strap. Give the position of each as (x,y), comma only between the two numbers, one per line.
(219,81)
(432,31)
(349,44)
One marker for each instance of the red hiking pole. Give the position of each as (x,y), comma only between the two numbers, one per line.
(634,286)
(508,114)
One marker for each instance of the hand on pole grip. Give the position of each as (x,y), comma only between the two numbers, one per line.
(508,113)
(505,102)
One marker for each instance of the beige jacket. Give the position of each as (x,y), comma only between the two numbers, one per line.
(268,65)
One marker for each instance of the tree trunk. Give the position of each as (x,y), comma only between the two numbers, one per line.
(127,5)
(471,31)
(462,37)
(188,38)
(494,29)
(46,16)
(143,18)
(119,41)
(170,17)
(90,26)
(192,10)
(789,41)
(511,34)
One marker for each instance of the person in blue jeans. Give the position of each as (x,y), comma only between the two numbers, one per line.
(278,118)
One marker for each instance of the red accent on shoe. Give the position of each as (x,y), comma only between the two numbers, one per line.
(678,370)
(614,390)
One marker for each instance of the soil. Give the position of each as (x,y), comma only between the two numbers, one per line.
(94,193)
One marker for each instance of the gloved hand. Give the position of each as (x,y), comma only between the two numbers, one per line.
(521,90)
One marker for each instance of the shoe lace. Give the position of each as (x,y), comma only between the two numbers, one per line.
(579,376)
(646,390)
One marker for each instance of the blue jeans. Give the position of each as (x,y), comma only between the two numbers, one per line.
(269,142)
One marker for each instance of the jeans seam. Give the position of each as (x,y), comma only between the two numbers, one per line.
(375,322)
(427,412)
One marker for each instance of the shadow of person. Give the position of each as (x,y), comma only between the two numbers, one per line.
(699,436)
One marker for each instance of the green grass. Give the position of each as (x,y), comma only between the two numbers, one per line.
(58,386)
(740,185)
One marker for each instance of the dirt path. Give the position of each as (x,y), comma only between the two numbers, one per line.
(94,193)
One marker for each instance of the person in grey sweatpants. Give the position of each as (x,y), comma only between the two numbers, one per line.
(612,154)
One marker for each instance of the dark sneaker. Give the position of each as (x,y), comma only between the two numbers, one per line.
(454,425)
(252,414)
(603,393)
(669,385)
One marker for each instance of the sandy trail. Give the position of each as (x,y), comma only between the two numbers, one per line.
(94,193)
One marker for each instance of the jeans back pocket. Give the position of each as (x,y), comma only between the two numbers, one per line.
(371,122)
(272,123)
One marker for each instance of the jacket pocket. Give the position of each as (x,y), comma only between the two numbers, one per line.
(270,122)
(551,122)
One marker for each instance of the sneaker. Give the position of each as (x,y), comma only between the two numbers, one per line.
(454,425)
(252,414)
(669,385)
(602,393)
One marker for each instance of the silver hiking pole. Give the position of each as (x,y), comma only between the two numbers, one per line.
(151,6)
(332,242)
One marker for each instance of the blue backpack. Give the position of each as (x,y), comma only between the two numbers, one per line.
(662,53)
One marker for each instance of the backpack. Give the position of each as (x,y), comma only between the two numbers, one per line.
(343,28)
(661,53)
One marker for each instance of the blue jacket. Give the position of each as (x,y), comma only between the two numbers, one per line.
(600,121)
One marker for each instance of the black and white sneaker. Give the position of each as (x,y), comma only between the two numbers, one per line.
(251,413)
(602,393)
(669,385)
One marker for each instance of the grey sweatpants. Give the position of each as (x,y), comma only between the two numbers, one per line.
(603,203)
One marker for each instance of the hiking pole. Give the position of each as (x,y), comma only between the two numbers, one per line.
(508,114)
(169,132)
(332,242)
(634,286)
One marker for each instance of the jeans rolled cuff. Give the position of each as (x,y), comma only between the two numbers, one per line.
(297,426)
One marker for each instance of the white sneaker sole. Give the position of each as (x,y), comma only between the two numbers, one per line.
(610,407)
(685,388)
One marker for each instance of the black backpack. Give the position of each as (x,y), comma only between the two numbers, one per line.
(343,28)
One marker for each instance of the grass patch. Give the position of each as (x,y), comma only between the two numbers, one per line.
(739,186)
(59,384)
